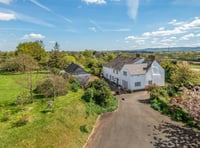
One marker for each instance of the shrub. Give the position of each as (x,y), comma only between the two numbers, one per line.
(179,114)
(84,129)
(75,86)
(88,95)
(101,92)
(51,87)
(6,116)
(22,119)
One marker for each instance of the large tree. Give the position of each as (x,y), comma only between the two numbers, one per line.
(182,75)
(33,49)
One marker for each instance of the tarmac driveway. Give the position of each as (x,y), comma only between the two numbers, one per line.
(136,125)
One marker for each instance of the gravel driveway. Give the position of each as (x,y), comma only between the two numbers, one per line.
(136,125)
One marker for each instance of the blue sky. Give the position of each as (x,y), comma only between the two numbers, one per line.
(100,24)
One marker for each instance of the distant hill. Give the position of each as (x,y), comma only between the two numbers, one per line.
(176,49)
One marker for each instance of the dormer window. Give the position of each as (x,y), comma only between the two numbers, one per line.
(125,73)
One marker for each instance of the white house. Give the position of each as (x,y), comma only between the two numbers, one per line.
(134,73)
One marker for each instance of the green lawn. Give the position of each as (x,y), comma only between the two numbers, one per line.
(67,125)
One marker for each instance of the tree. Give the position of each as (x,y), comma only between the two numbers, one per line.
(168,66)
(182,75)
(33,49)
(55,60)
(66,60)
(101,92)
(56,46)
(21,63)
(51,87)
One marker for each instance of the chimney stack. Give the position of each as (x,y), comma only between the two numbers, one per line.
(152,57)
(137,55)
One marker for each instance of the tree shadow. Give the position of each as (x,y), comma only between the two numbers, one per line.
(175,136)
(144,101)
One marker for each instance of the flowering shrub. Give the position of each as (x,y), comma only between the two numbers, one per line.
(190,101)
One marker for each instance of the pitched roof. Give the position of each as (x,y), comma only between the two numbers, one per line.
(75,69)
(120,61)
(136,69)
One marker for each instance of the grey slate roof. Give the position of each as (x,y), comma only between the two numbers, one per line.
(75,69)
(136,69)
(120,61)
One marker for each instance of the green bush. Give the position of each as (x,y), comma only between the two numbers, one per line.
(177,113)
(6,116)
(101,92)
(52,87)
(21,120)
(88,95)
(159,105)
(84,129)
(75,86)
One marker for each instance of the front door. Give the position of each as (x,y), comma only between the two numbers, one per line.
(124,84)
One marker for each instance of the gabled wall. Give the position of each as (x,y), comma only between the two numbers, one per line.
(156,73)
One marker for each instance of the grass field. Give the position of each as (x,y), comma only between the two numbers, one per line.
(67,125)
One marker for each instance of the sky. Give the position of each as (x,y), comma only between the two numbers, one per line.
(100,24)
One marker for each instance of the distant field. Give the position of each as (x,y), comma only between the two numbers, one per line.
(67,125)
(195,66)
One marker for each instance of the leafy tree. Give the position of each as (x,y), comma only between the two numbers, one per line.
(168,66)
(101,92)
(68,59)
(33,49)
(181,75)
(55,60)
(20,63)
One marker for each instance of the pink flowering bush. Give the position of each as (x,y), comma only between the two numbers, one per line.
(190,101)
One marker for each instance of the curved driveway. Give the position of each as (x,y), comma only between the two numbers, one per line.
(136,125)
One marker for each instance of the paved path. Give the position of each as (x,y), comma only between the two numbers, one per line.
(137,125)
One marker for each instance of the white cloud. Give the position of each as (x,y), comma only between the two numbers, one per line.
(140,42)
(130,38)
(198,35)
(163,32)
(133,38)
(175,22)
(182,28)
(40,5)
(173,38)
(133,6)
(93,29)
(187,36)
(192,25)
(161,28)
(94,1)
(33,36)
(5,1)
(7,16)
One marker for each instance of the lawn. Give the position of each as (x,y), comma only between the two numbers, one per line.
(66,125)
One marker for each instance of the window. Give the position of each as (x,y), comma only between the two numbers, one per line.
(106,75)
(150,82)
(124,73)
(116,71)
(137,84)
(113,71)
